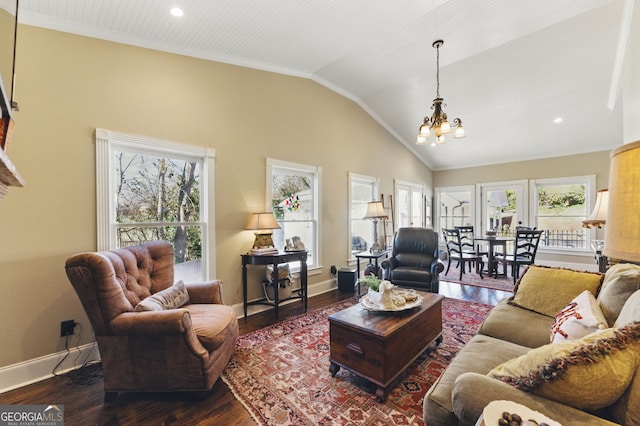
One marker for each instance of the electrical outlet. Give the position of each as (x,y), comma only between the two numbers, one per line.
(66,328)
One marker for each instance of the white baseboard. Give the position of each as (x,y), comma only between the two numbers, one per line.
(24,373)
(591,267)
(34,370)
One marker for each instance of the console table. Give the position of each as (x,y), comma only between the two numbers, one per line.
(370,255)
(275,260)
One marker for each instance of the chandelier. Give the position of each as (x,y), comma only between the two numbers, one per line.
(438,121)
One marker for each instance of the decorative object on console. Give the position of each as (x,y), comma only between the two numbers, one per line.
(263,225)
(375,211)
(622,238)
(438,120)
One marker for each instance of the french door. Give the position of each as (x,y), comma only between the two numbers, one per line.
(504,206)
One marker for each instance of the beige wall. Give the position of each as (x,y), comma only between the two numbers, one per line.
(68,85)
(596,163)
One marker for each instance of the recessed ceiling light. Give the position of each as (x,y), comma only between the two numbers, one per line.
(557,120)
(176,11)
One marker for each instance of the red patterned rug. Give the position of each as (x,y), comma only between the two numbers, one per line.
(281,373)
(471,278)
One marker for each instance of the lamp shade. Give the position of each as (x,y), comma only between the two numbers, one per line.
(598,216)
(375,210)
(259,221)
(622,236)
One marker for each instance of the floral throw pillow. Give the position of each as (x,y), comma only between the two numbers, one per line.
(580,317)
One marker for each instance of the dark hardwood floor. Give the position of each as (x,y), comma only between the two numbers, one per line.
(84,405)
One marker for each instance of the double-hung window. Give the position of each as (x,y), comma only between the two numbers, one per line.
(152,190)
(560,205)
(293,194)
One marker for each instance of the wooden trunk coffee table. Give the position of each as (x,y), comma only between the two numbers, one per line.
(380,345)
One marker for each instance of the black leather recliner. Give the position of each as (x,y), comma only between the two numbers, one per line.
(414,260)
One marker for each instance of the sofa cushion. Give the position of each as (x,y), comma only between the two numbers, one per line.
(547,290)
(580,317)
(505,321)
(620,281)
(479,355)
(170,298)
(630,311)
(213,324)
(589,373)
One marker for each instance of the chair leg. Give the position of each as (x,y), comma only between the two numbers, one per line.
(480,267)
(448,266)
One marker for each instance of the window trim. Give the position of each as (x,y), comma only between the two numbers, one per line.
(356,177)
(457,188)
(590,181)
(317,173)
(107,141)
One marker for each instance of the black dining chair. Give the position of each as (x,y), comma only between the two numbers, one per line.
(455,252)
(524,252)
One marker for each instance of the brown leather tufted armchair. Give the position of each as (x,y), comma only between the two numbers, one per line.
(184,349)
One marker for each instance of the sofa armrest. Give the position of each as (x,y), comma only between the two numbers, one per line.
(437,267)
(148,323)
(205,292)
(472,392)
(388,265)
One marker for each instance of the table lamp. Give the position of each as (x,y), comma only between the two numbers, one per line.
(375,211)
(263,225)
(622,235)
(598,216)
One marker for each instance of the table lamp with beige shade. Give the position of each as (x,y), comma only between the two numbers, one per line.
(263,224)
(622,234)
(375,212)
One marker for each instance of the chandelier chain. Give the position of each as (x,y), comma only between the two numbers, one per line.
(437,71)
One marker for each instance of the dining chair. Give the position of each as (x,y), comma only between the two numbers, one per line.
(455,251)
(466,238)
(524,252)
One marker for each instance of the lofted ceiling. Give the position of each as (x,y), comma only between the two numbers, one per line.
(508,68)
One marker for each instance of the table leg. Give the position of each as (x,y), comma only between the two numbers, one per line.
(244,288)
(276,288)
(358,278)
(381,394)
(304,283)
(333,369)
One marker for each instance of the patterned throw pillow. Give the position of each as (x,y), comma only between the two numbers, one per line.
(547,290)
(170,298)
(580,317)
(588,373)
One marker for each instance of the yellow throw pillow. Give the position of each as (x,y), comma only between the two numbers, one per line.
(547,290)
(588,373)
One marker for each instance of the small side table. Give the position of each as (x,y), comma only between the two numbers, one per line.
(370,256)
(275,260)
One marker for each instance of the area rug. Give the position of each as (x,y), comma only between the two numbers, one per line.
(281,373)
(471,278)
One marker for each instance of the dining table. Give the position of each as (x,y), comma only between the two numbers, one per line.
(493,242)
